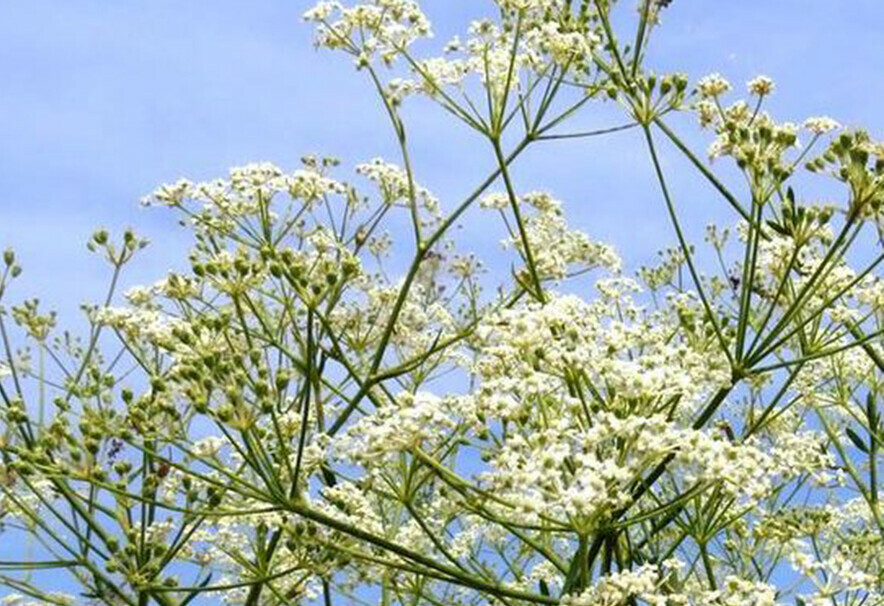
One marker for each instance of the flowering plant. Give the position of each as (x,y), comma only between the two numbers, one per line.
(290,421)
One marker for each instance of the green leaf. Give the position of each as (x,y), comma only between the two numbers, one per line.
(871,410)
(857,441)
(777,228)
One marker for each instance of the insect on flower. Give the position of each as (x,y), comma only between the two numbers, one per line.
(116,447)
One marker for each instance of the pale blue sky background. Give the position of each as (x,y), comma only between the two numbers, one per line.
(101,101)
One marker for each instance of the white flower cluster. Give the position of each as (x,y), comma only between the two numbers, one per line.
(557,250)
(820,125)
(496,55)
(530,471)
(619,346)
(18,498)
(832,546)
(529,6)
(751,136)
(395,186)
(564,48)
(379,27)
(644,583)
(713,85)
(248,190)
(760,86)
(150,325)
(405,423)
(648,583)
(419,324)
(349,503)
(435,74)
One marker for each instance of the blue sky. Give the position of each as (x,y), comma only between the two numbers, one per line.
(101,101)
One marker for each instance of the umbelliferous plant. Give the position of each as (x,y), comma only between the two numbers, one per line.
(318,412)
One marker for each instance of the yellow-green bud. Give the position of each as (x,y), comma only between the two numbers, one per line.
(100,237)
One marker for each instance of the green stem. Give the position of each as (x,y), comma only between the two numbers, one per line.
(686,249)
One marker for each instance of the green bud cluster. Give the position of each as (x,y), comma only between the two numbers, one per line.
(856,160)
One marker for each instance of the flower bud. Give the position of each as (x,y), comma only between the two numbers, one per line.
(261,389)
(100,237)
(282,380)
(158,384)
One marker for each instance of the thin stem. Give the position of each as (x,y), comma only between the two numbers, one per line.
(686,250)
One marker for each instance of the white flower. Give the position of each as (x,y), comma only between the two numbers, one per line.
(376,28)
(495,200)
(395,186)
(563,48)
(208,447)
(438,72)
(713,85)
(821,125)
(761,86)
(707,112)
(171,194)
(526,5)
(557,249)
(322,11)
